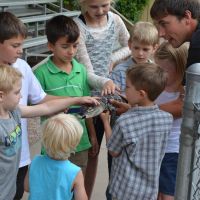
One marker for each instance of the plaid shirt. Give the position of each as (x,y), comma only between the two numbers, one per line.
(140,136)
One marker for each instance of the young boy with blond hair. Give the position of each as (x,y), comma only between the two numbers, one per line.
(139,136)
(10,124)
(143,42)
(61,135)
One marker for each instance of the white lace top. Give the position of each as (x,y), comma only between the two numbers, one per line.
(101,46)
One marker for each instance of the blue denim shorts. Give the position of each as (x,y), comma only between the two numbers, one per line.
(167,179)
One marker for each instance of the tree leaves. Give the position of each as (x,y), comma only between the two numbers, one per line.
(131,9)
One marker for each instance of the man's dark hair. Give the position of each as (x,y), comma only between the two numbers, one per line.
(62,26)
(11,26)
(162,8)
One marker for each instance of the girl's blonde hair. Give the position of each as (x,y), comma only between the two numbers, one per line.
(83,5)
(8,77)
(61,135)
(176,55)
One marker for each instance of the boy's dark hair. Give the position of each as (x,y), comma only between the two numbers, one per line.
(162,8)
(11,26)
(62,26)
(148,77)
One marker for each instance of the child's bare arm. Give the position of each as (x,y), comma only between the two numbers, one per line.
(79,188)
(26,182)
(108,130)
(92,135)
(54,106)
(106,122)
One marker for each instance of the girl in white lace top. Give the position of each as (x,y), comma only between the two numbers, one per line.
(104,38)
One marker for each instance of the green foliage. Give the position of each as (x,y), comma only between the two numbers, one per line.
(71,4)
(131,9)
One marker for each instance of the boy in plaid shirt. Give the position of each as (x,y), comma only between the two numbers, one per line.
(139,136)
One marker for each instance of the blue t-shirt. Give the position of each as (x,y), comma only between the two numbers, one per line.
(51,179)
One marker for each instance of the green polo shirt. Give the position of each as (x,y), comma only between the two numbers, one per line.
(56,82)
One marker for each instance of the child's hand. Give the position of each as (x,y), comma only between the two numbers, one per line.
(105,117)
(109,88)
(88,100)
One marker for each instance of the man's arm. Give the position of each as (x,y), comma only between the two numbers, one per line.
(120,107)
(174,107)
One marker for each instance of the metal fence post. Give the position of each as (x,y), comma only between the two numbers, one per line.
(188,172)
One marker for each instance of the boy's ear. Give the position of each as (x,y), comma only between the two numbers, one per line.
(50,46)
(188,16)
(142,93)
(155,47)
(129,44)
(1,95)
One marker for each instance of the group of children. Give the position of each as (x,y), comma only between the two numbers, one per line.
(144,47)
(143,142)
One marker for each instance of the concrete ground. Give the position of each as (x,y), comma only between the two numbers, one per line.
(102,173)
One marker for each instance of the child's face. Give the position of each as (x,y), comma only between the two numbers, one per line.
(133,96)
(11,99)
(169,67)
(141,53)
(11,49)
(97,9)
(64,51)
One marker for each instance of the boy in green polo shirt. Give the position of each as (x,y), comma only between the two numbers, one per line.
(62,75)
